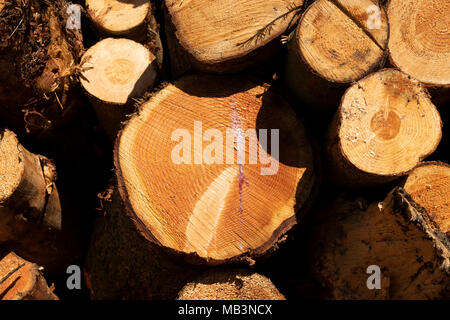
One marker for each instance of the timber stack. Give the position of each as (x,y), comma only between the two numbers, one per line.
(221,140)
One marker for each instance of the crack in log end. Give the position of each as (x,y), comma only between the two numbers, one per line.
(334,43)
(162,194)
(356,19)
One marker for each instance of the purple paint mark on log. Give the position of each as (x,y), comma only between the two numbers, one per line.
(240,147)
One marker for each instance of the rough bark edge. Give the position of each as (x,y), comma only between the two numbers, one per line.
(413,212)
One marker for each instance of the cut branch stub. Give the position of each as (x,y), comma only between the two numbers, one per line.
(342,40)
(220,35)
(115,71)
(385,126)
(22,280)
(230,285)
(202,200)
(118,17)
(429,186)
(419,43)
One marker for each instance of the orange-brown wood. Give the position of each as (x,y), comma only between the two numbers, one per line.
(218,210)
(395,235)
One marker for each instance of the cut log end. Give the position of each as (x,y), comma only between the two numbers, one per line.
(22,280)
(231,285)
(217,32)
(341,40)
(118,17)
(198,200)
(116,70)
(419,42)
(429,186)
(386,125)
(11,166)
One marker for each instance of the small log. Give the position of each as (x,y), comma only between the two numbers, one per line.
(182,196)
(230,285)
(120,18)
(127,19)
(419,42)
(22,280)
(385,126)
(336,42)
(228,36)
(115,72)
(30,211)
(429,186)
(395,235)
(38,58)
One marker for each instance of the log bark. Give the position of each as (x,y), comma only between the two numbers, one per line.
(217,202)
(313,93)
(134,20)
(385,126)
(229,36)
(429,186)
(336,42)
(30,210)
(38,63)
(419,42)
(395,235)
(22,280)
(232,284)
(121,264)
(116,71)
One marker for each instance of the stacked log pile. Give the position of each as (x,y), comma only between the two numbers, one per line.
(230,137)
